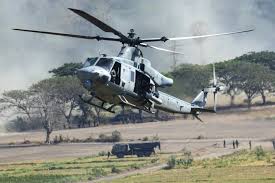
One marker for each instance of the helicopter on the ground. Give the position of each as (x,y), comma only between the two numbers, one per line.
(129,79)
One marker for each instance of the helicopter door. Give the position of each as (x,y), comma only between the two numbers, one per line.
(115,73)
(127,77)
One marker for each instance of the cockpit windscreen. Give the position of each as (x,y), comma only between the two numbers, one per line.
(105,63)
(90,61)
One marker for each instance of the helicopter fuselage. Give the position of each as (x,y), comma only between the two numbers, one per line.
(119,81)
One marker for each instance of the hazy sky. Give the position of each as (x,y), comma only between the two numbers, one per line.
(26,58)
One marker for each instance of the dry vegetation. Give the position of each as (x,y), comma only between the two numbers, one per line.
(241,167)
(73,170)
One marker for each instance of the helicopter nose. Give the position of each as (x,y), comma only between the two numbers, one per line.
(94,74)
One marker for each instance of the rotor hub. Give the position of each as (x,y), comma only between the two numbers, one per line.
(131,34)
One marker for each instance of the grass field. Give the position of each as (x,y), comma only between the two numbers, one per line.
(241,167)
(75,170)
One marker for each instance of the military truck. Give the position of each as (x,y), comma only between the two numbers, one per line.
(140,149)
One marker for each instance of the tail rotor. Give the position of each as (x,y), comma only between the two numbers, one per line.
(215,88)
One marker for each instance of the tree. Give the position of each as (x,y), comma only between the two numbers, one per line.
(266,58)
(226,73)
(67,90)
(266,82)
(98,113)
(87,115)
(68,69)
(19,101)
(46,106)
(189,79)
(253,79)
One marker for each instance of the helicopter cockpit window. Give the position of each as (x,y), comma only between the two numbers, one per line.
(90,61)
(105,63)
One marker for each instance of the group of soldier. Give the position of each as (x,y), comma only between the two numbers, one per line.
(236,144)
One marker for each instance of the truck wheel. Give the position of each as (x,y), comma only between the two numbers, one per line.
(120,155)
(140,154)
(148,154)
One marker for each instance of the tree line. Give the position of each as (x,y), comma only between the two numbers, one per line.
(54,103)
(252,74)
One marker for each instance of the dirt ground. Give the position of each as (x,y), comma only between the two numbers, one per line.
(256,125)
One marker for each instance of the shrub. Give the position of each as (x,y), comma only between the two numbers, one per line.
(89,139)
(26,142)
(116,136)
(21,124)
(260,154)
(200,137)
(155,138)
(187,160)
(103,138)
(171,163)
(115,170)
(145,138)
(135,166)
(98,172)
(154,160)
(102,153)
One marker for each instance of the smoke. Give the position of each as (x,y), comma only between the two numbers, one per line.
(26,58)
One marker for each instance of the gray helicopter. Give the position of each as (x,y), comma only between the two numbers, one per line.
(129,79)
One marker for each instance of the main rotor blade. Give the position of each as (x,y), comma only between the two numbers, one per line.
(160,49)
(164,39)
(69,35)
(209,35)
(103,26)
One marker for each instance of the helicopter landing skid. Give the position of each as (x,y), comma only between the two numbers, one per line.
(124,101)
(109,109)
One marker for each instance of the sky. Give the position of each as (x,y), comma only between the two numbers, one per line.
(26,58)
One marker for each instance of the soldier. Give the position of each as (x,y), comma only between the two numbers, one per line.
(273,142)
(250,145)
(109,154)
(224,144)
(233,144)
(237,144)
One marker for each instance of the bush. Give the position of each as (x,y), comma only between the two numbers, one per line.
(260,154)
(99,172)
(135,166)
(22,124)
(145,138)
(115,170)
(155,138)
(187,160)
(58,139)
(26,142)
(95,173)
(102,153)
(154,160)
(171,163)
(89,139)
(115,137)
(200,137)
